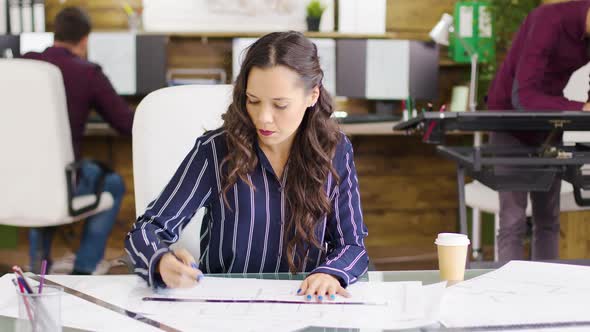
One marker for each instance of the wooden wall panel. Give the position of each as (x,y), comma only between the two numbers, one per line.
(575,235)
(416,16)
(403,164)
(105,14)
(408,194)
(420,16)
(414,228)
(201,53)
(401,192)
(401,155)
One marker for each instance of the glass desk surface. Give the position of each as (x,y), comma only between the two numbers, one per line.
(427,277)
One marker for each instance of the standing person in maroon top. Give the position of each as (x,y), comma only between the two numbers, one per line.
(550,45)
(87,88)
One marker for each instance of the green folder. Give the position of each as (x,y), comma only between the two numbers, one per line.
(473,23)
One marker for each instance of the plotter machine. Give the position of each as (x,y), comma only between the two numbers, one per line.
(535,168)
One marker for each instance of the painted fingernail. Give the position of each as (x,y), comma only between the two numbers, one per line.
(299,291)
(332,296)
(320,297)
(194,266)
(200,277)
(309,297)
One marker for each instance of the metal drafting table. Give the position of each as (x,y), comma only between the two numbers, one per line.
(535,168)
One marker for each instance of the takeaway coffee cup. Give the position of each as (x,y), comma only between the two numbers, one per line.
(452,255)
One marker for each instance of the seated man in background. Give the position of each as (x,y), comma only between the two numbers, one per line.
(86,88)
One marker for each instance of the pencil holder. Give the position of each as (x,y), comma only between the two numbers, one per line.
(40,312)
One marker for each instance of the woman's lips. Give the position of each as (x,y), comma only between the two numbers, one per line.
(265,132)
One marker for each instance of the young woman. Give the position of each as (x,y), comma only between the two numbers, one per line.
(278,183)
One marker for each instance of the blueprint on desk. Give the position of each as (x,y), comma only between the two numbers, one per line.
(528,294)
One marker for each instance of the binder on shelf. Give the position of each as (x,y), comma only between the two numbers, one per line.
(473,24)
(9,46)
(27,16)
(14,15)
(38,15)
(3,17)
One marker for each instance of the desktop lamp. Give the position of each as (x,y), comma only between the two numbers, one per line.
(440,35)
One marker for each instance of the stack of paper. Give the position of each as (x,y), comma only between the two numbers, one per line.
(389,305)
(521,293)
(3,17)
(382,305)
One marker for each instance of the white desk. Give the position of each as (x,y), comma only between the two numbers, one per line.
(102,319)
(97,318)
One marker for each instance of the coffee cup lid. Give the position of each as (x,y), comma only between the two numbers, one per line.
(452,239)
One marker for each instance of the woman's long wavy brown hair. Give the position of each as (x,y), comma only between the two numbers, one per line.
(310,159)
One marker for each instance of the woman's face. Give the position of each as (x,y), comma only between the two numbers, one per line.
(276,101)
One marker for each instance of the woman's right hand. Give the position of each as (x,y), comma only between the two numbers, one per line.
(179,269)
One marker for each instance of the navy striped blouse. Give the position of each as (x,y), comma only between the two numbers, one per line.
(249,236)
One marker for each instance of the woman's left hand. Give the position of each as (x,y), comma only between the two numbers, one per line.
(321,286)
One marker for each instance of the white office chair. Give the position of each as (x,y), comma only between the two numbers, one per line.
(166,125)
(37,168)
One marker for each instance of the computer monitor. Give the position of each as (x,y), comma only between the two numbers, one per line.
(35,41)
(135,64)
(115,53)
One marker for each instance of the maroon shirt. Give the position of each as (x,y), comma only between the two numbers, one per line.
(549,46)
(86,88)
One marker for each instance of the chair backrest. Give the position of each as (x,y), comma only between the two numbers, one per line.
(35,142)
(166,125)
(577,89)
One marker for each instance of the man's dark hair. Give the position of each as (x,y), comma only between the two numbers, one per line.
(71,25)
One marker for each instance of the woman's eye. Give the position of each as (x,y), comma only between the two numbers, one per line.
(281,107)
(253,102)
